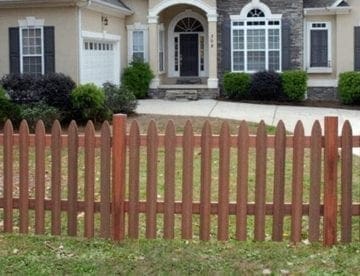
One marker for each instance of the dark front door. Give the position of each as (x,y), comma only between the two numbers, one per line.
(189,55)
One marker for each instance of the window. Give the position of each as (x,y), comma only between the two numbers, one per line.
(137,42)
(161,49)
(138,45)
(256,42)
(319,45)
(31,41)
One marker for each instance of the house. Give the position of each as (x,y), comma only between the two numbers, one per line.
(189,44)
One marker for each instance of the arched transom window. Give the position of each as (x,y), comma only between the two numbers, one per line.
(189,24)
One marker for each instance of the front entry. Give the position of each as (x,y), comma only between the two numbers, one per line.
(189,55)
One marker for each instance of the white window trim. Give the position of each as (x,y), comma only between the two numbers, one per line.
(138,27)
(162,29)
(318,70)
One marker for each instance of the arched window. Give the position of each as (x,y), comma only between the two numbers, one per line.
(189,24)
(256,13)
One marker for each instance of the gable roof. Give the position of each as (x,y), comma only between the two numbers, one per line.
(118,3)
(324,3)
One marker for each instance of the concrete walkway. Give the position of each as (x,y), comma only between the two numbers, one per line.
(271,114)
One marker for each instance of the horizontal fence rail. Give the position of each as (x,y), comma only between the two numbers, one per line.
(116,183)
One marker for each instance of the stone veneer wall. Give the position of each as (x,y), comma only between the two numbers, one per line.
(322,94)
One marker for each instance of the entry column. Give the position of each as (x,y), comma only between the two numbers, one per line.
(153,50)
(213,64)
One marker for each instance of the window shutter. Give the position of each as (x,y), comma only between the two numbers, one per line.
(319,48)
(286,45)
(49,49)
(14,50)
(357,48)
(226,44)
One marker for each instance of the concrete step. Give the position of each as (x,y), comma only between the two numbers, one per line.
(183,94)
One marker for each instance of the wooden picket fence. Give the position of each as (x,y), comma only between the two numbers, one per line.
(119,154)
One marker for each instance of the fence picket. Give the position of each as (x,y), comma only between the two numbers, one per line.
(187,186)
(242,181)
(346,182)
(260,185)
(134,179)
(279,182)
(224,178)
(169,199)
(40,178)
(315,182)
(73,144)
(105,170)
(8,176)
(56,178)
(205,190)
(297,182)
(151,185)
(24,177)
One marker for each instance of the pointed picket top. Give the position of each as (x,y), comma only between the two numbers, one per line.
(56,128)
(243,128)
(225,129)
(152,128)
(280,128)
(188,128)
(316,129)
(206,130)
(24,128)
(170,128)
(73,128)
(89,129)
(8,127)
(261,130)
(40,128)
(299,128)
(347,129)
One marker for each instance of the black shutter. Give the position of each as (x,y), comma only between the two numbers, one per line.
(14,50)
(226,44)
(319,48)
(49,49)
(357,48)
(286,45)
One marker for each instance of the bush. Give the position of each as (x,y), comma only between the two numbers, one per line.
(21,88)
(137,78)
(294,84)
(88,103)
(39,111)
(349,87)
(266,85)
(119,99)
(8,110)
(237,85)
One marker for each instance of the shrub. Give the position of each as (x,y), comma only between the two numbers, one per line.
(21,88)
(8,110)
(137,78)
(237,85)
(349,87)
(39,111)
(294,84)
(119,99)
(265,85)
(88,102)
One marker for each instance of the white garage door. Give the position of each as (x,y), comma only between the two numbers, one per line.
(99,62)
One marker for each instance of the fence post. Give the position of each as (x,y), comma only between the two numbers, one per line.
(330,180)
(118,176)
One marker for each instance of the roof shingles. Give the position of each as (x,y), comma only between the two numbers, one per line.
(318,3)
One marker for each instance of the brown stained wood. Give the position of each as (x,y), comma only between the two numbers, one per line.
(24,177)
(224,179)
(187,185)
(56,178)
(72,178)
(118,176)
(205,190)
(8,176)
(151,184)
(134,180)
(105,180)
(297,182)
(346,182)
(260,182)
(169,199)
(279,182)
(330,180)
(40,178)
(315,182)
(242,181)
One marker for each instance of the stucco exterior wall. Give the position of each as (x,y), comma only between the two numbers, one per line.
(66,35)
(140,8)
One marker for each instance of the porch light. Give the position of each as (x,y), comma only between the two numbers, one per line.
(105,20)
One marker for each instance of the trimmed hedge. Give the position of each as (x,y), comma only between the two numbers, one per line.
(349,87)
(119,99)
(237,85)
(294,85)
(39,111)
(8,110)
(266,86)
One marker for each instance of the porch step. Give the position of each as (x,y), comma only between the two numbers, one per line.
(188,80)
(181,95)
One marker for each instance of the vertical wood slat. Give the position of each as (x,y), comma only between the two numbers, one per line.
(346,182)
(242,181)
(56,178)
(151,185)
(40,178)
(187,185)
(73,144)
(169,199)
(118,176)
(330,180)
(24,177)
(8,176)
(315,182)
(134,179)
(297,182)
(260,185)
(89,179)
(279,182)
(105,170)
(224,178)
(205,190)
